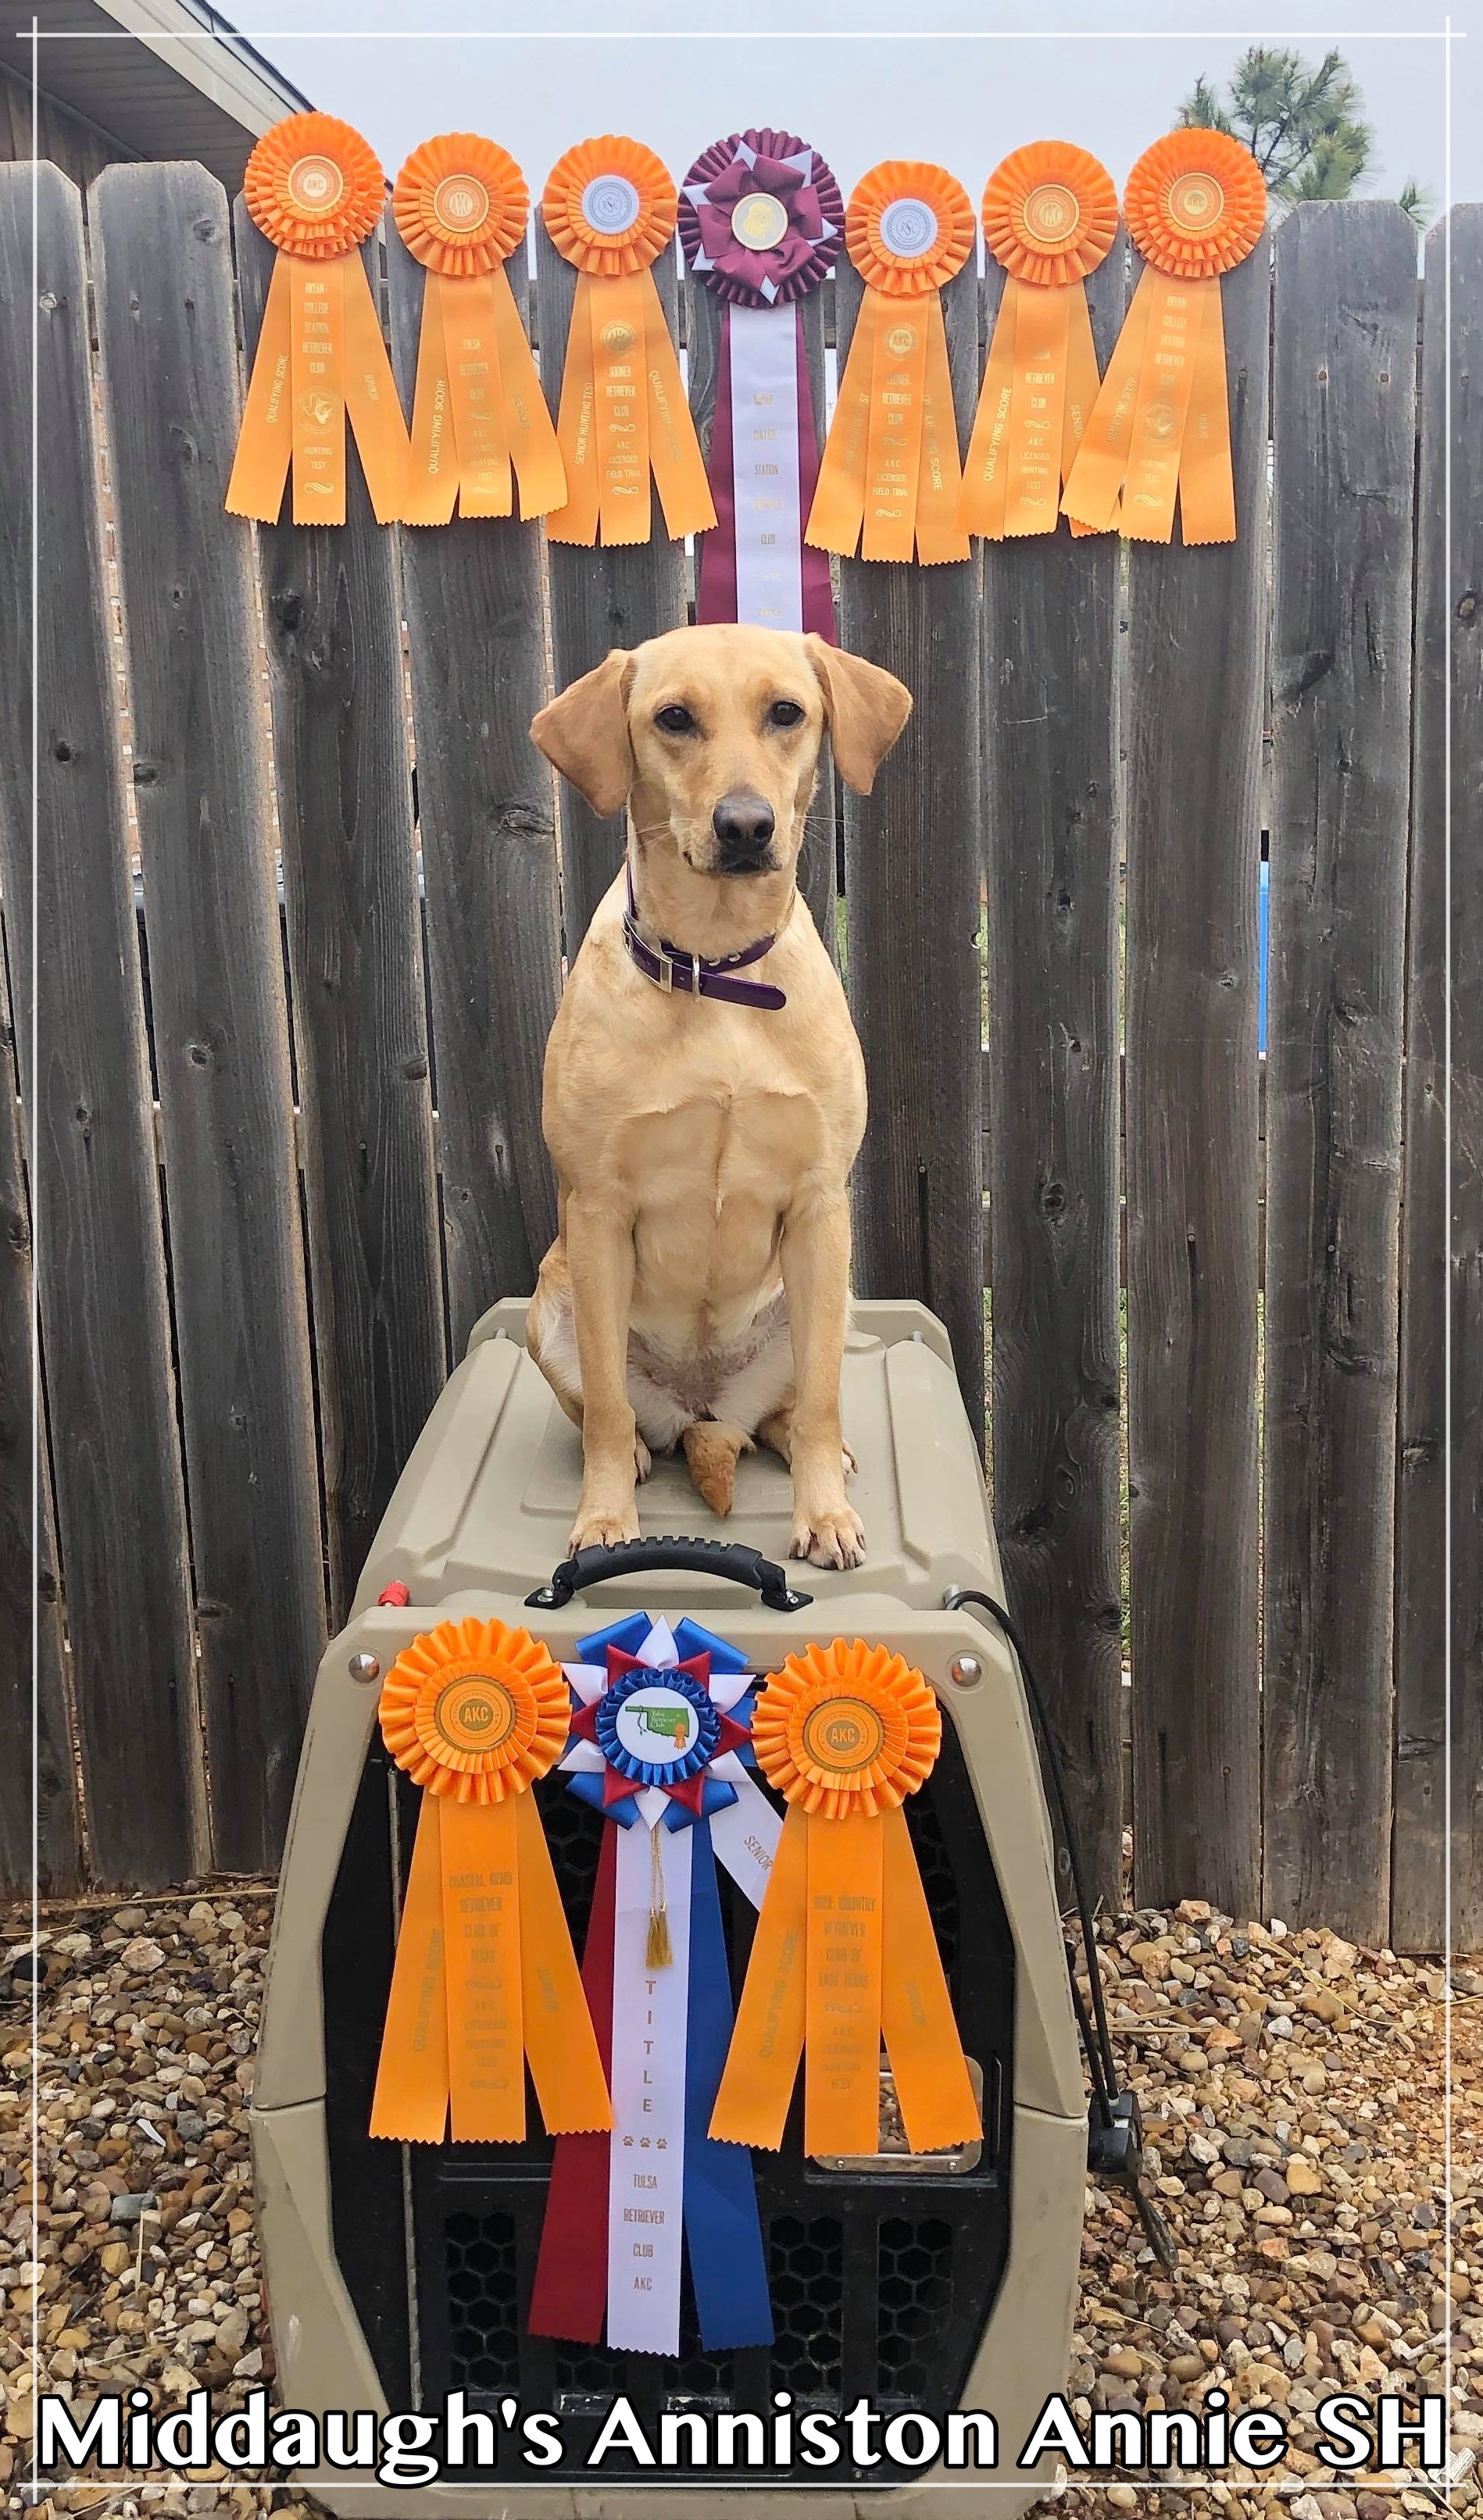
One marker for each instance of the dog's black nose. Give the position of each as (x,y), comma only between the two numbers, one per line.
(743,825)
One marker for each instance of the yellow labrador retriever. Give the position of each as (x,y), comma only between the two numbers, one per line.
(705,1092)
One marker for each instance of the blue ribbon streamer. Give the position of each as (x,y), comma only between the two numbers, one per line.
(728,2267)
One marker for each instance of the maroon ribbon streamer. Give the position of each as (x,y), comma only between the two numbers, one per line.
(569,2297)
(716,595)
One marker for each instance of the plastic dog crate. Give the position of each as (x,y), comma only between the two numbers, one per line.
(396,2275)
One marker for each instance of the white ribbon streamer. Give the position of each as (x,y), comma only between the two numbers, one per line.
(764,415)
(646,2186)
(745,1834)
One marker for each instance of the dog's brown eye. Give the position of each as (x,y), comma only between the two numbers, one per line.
(785,713)
(675,720)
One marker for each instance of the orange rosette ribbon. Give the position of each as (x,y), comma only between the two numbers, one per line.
(610,207)
(1195,206)
(890,476)
(477,414)
(314,187)
(844,1953)
(485,1975)
(1050,214)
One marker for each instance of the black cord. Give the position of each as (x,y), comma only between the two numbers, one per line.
(1104,2077)
(1100,2082)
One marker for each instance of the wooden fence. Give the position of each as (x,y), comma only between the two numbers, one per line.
(282,1136)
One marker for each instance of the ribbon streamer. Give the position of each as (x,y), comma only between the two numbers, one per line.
(478,414)
(610,208)
(1195,206)
(661,1744)
(760,222)
(1050,214)
(845,1953)
(314,188)
(890,477)
(485,1978)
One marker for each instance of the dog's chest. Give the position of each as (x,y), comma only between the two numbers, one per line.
(723,1144)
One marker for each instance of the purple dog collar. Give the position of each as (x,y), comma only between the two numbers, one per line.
(692,974)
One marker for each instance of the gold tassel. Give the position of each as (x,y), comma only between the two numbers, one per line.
(659,1951)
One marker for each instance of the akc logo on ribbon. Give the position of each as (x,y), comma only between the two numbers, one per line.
(1195,207)
(314,187)
(844,1953)
(485,1977)
(761,223)
(460,209)
(660,1747)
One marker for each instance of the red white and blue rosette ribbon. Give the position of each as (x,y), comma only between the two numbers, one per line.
(761,222)
(660,1746)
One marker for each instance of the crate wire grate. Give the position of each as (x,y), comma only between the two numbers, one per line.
(806,2277)
(916,2291)
(482,2302)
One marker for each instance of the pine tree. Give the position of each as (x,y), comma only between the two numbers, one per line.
(1305,127)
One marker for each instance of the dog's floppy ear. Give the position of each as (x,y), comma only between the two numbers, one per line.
(584,731)
(866,708)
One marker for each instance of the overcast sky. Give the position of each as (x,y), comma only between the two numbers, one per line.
(966,85)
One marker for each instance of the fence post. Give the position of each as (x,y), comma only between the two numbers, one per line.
(912,868)
(486,817)
(1050,645)
(333,622)
(1196,654)
(168,343)
(100,1258)
(1442,1221)
(1344,456)
(599,598)
(24,1481)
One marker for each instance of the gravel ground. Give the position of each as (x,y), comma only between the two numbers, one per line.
(1293,2092)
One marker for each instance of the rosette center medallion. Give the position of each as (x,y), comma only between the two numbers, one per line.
(315,185)
(610,204)
(1050,213)
(460,203)
(909,227)
(759,221)
(1196,204)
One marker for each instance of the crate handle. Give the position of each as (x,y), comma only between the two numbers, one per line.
(670,1556)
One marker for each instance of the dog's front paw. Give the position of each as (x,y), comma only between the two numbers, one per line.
(643,1460)
(834,1538)
(603,1530)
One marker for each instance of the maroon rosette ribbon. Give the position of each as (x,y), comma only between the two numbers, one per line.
(762,222)
(772,256)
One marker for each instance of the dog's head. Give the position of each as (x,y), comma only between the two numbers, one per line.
(712,736)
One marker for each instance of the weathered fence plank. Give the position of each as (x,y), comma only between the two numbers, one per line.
(1344,455)
(600,599)
(912,912)
(486,819)
(333,616)
(39,1791)
(817,869)
(1049,647)
(100,1259)
(1193,699)
(167,344)
(1442,1242)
